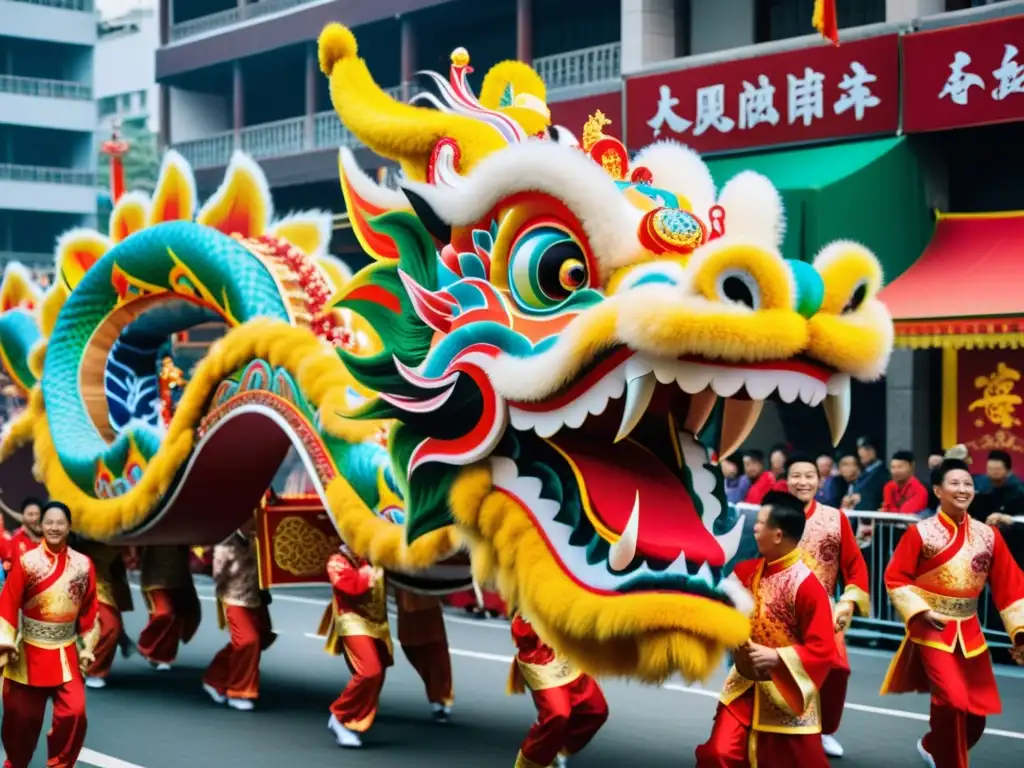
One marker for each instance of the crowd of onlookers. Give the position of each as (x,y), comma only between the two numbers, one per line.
(859,481)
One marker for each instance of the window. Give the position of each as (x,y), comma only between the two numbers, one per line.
(126,102)
(108,106)
(142,99)
(782,19)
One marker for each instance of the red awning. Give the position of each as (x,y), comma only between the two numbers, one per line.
(966,290)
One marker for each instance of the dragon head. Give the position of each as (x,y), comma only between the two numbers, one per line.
(571,340)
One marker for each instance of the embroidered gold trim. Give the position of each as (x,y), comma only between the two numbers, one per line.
(47,634)
(540,677)
(953,607)
(908,602)
(1013,619)
(8,634)
(803,681)
(857,596)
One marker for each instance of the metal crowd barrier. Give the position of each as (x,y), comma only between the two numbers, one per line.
(886,530)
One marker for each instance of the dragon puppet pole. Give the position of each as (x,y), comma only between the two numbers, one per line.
(116,148)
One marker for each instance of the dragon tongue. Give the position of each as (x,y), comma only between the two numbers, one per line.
(615,478)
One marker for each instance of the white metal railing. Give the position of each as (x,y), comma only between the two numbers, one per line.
(281,137)
(586,66)
(49,89)
(221,19)
(69,5)
(44,175)
(878,534)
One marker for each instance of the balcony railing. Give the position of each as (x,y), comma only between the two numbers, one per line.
(42,175)
(69,5)
(583,67)
(47,89)
(222,19)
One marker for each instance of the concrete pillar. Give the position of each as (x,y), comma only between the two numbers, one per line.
(164,138)
(408,56)
(906,10)
(721,26)
(166,21)
(648,33)
(524,31)
(909,404)
(312,74)
(237,103)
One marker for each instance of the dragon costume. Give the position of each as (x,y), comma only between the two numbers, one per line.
(569,338)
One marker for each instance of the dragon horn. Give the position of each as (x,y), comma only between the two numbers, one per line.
(400,132)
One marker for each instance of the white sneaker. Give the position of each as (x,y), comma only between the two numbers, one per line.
(441,712)
(213,693)
(832,746)
(561,762)
(342,735)
(242,705)
(928,759)
(95,682)
(162,667)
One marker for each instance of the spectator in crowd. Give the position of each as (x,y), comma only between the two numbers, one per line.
(829,493)
(760,481)
(736,484)
(1000,499)
(873,476)
(904,493)
(777,462)
(849,474)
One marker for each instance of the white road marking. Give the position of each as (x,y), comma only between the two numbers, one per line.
(90,757)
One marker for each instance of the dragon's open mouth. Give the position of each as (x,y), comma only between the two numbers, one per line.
(613,474)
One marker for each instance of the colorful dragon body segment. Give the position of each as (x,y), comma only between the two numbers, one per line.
(568,339)
(87,355)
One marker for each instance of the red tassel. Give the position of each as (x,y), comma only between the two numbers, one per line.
(826,21)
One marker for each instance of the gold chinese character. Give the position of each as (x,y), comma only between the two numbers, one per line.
(998,399)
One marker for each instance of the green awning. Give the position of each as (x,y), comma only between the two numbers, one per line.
(869,191)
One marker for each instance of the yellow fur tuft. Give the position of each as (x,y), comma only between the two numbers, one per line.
(36,357)
(646,636)
(336,43)
(19,433)
(52,304)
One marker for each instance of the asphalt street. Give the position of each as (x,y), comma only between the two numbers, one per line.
(149,719)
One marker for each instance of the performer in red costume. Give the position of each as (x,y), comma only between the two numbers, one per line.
(935,576)
(234,674)
(570,705)
(769,711)
(829,548)
(174,612)
(356,626)
(28,535)
(52,590)
(114,596)
(422,636)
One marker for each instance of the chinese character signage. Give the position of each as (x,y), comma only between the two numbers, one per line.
(799,96)
(967,75)
(573,114)
(989,405)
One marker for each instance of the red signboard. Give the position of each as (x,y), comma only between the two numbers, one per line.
(988,405)
(815,93)
(573,114)
(967,75)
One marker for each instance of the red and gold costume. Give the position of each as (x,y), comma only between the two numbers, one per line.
(777,721)
(356,626)
(55,596)
(424,640)
(941,565)
(829,548)
(570,705)
(114,597)
(235,670)
(174,611)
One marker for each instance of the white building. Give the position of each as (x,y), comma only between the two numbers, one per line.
(126,86)
(47,124)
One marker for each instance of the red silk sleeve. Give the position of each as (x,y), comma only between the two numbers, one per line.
(805,665)
(1007,583)
(889,502)
(88,611)
(856,584)
(744,571)
(901,573)
(529,646)
(11,597)
(346,578)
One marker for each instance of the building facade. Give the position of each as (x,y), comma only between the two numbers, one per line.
(126,88)
(47,125)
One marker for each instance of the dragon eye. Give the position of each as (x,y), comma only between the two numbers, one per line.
(546,266)
(860,293)
(738,287)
